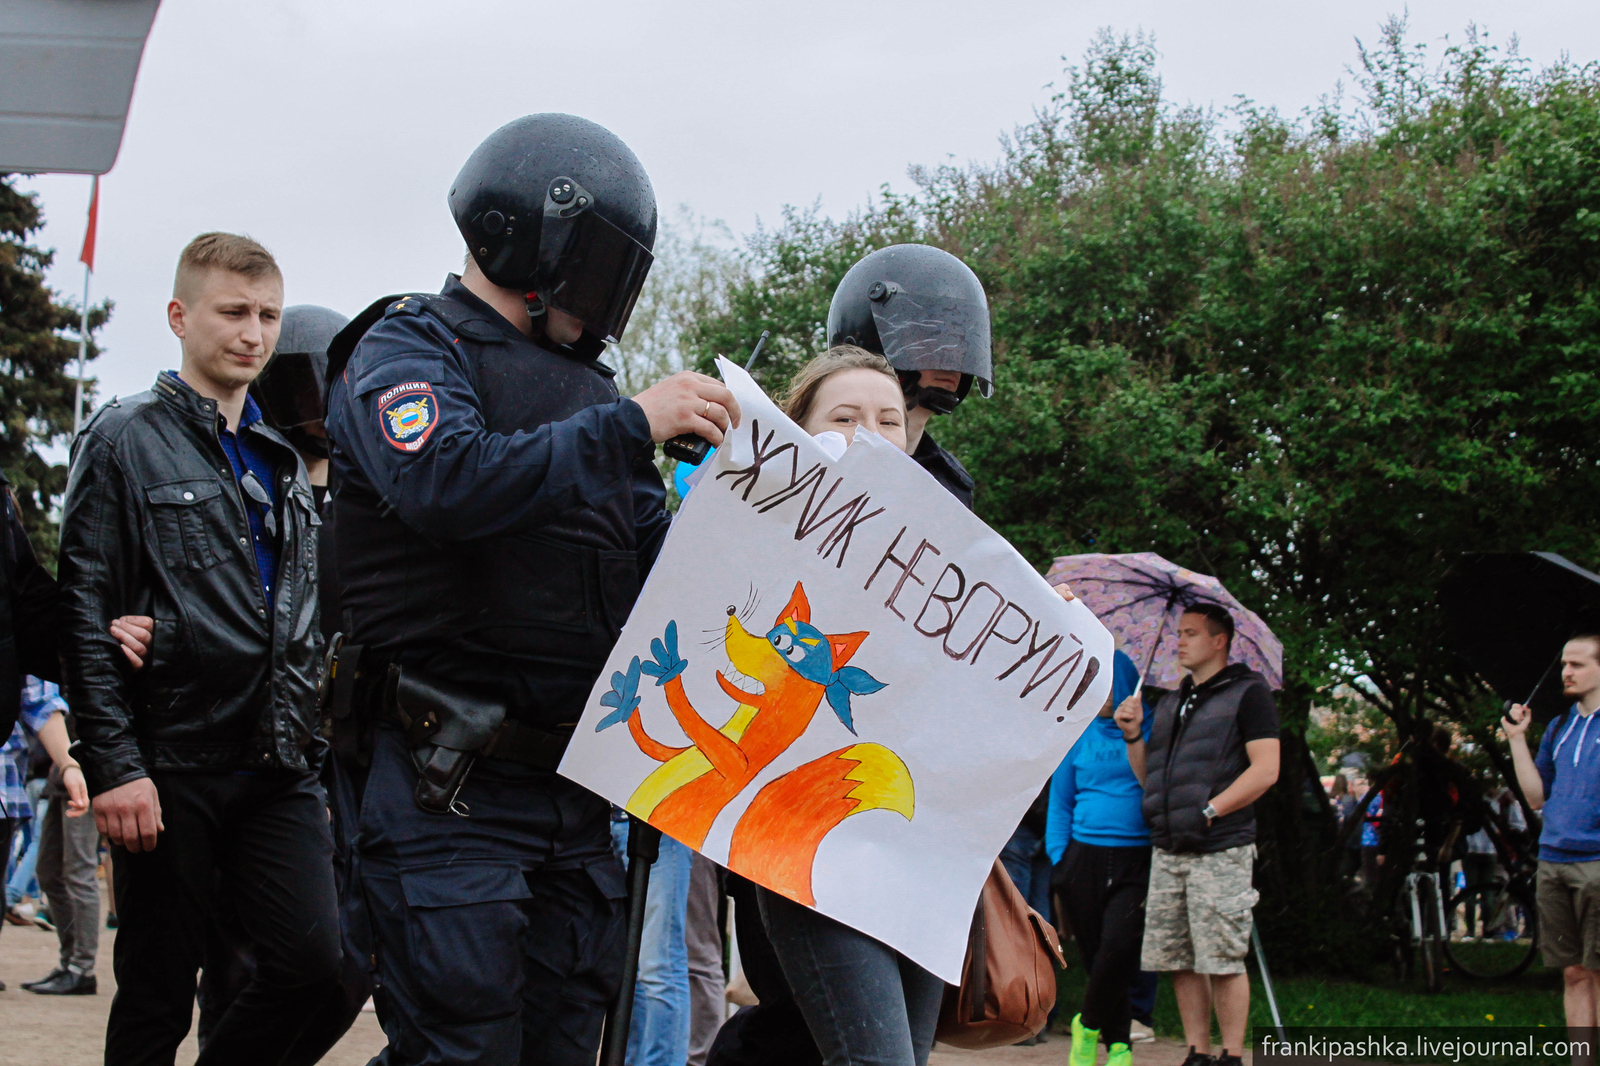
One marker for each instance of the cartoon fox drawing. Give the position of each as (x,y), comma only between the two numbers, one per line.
(798,666)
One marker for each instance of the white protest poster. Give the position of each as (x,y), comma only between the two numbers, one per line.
(841,684)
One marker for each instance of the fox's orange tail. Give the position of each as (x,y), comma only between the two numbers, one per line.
(776,840)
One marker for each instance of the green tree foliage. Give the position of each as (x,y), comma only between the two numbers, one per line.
(695,269)
(36,366)
(1318,358)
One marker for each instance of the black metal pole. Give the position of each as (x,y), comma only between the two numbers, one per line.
(644,846)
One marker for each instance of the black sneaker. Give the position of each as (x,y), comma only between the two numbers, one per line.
(67,983)
(1226,1059)
(1197,1058)
(51,976)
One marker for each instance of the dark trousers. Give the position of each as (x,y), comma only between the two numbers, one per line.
(267,836)
(1102,892)
(773,1032)
(230,963)
(499,934)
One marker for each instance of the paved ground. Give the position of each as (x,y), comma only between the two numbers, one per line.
(69,1030)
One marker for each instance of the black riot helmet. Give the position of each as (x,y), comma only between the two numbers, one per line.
(290,389)
(558,207)
(922,309)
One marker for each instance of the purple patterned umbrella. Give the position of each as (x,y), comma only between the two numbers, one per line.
(1139,598)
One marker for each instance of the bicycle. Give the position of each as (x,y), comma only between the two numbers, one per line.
(1493,928)
(1427,914)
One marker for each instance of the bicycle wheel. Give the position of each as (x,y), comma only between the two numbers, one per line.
(1494,931)
(1431,946)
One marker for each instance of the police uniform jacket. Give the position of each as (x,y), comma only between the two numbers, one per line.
(497,506)
(945,468)
(154,523)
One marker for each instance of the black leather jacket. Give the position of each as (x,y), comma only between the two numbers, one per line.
(154,524)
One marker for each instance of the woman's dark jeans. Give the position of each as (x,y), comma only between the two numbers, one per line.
(865,1003)
(1102,892)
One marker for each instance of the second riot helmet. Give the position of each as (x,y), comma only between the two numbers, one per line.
(922,309)
(290,388)
(557,206)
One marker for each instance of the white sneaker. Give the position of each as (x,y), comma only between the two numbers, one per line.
(1140,1033)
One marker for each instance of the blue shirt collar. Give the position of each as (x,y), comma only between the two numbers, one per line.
(250,414)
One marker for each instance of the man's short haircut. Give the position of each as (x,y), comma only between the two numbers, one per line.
(222,251)
(1218,620)
(1594,643)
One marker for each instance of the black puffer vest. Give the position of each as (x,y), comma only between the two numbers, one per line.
(1187,765)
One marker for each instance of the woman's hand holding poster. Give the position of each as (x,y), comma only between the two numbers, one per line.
(841,684)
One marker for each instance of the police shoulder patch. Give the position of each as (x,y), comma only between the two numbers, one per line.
(407,414)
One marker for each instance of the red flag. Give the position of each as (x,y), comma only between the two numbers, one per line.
(87,256)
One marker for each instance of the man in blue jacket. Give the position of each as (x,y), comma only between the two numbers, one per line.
(1564,781)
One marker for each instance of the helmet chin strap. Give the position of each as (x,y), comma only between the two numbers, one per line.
(535,305)
(931,397)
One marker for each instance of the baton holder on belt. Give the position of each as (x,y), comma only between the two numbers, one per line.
(445,728)
(644,847)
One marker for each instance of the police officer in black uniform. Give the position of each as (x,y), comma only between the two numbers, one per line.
(497,508)
(925,311)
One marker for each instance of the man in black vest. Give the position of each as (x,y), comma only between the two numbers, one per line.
(497,508)
(1213,752)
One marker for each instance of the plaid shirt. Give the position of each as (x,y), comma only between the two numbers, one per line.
(40,700)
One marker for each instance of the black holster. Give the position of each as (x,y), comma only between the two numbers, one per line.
(445,727)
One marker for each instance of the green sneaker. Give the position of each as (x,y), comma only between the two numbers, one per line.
(1121,1055)
(1085,1043)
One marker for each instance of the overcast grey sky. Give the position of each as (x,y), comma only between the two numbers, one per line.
(330,129)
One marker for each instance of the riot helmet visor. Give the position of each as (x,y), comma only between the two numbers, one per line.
(588,267)
(920,331)
(289,390)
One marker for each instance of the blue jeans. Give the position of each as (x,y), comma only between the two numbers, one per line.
(1028,864)
(20,879)
(659,1034)
(865,1003)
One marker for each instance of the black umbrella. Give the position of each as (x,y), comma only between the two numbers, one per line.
(1510,613)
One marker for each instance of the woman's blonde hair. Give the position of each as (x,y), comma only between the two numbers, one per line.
(801,395)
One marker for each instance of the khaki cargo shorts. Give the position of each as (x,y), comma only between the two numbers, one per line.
(1197,915)
(1568,895)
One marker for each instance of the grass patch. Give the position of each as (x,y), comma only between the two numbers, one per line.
(1382,1000)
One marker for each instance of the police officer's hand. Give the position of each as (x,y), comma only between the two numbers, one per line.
(689,403)
(133,632)
(130,814)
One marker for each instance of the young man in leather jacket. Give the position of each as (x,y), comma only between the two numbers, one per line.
(182,504)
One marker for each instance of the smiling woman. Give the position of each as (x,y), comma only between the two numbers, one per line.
(846,387)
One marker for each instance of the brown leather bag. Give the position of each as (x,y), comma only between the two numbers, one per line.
(1008,982)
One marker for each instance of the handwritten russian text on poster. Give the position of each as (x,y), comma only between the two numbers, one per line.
(840,684)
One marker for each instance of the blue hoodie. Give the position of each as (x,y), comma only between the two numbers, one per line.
(1569,764)
(1094,796)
